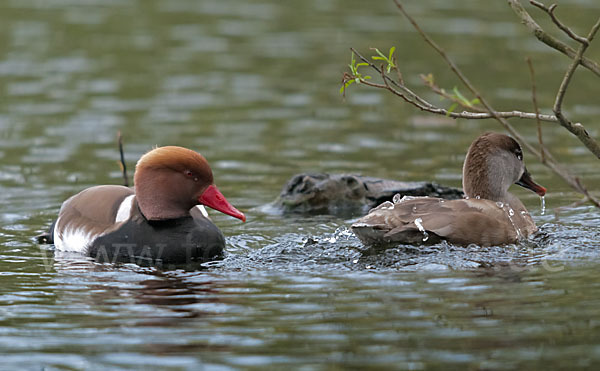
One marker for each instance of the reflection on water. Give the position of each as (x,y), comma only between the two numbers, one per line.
(254,87)
(130,317)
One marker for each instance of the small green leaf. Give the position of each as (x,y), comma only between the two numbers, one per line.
(392,50)
(428,78)
(343,88)
(461,97)
(451,109)
(380,54)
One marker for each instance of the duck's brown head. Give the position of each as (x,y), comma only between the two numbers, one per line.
(494,162)
(170,180)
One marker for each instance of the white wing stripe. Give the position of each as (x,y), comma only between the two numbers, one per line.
(124,209)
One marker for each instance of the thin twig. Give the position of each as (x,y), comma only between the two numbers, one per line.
(392,81)
(557,22)
(122,163)
(466,81)
(586,193)
(577,129)
(410,97)
(442,93)
(548,39)
(536,108)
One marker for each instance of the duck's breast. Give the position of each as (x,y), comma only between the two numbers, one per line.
(175,241)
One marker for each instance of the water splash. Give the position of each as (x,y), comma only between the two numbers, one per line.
(342,233)
(397,199)
(386,206)
(510,213)
(419,224)
(543,204)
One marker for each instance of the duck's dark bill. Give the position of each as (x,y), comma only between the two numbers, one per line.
(528,183)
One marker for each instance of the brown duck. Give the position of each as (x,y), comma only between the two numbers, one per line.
(488,215)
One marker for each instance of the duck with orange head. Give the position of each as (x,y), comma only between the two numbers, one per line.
(161,220)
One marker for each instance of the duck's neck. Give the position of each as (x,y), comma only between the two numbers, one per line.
(477,185)
(484,177)
(156,202)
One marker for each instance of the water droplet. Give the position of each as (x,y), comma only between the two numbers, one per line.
(414,209)
(386,206)
(355,261)
(477,197)
(419,224)
(510,213)
(397,199)
(543,204)
(500,204)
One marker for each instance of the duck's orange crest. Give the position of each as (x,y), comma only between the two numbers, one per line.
(173,157)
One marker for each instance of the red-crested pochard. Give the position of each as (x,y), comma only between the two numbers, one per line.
(161,221)
(488,215)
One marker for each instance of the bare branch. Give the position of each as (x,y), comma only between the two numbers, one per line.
(548,158)
(586,193)
(409,96)
(549,40)
(557,22)
(441,92)
(577,129)
(466,82)
(122,158)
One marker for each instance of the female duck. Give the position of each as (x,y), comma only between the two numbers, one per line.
(489,214)
(156,223)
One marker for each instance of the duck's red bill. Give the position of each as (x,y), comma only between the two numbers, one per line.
(528,183)
(214,199)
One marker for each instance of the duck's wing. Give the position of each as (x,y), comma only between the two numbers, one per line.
(89,214)
(429,220)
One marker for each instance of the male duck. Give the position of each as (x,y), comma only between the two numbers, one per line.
(157,223)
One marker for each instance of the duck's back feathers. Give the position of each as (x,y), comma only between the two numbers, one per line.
(425,220)
(89,214)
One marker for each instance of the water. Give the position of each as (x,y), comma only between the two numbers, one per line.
(254,86)
(419,224)
(543,201)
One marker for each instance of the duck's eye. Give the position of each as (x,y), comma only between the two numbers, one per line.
(519,155)
(191,175)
